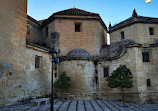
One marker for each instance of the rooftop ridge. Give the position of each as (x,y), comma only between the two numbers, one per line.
(75,11)
(133,19)
(32,19)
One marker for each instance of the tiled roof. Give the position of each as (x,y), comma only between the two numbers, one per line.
(72,11)
(75,11)
(134,19)
(115,49)
(79,52)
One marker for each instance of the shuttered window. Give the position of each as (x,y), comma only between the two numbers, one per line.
(151,31)
(106,72)
(122,35)
(148,83)
(146,57)
(77,27)
(37,62)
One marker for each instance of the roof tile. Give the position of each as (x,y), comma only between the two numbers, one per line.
(75,11)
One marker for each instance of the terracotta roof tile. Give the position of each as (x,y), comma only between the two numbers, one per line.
(75,11)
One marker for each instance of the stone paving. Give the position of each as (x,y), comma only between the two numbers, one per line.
(82,105)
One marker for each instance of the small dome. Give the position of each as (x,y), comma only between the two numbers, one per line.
(78,53)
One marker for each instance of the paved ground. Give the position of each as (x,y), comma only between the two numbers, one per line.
(82,105)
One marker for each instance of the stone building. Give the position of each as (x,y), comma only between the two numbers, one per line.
(140,56)
(82,34)
(80,38)
(133,43)
(25,69)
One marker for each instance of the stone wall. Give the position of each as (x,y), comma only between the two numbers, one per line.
(91,37)
(141,72)
(51,29)
(34,33)
(132,58)
(81,73)
(138,32)
(19,80)
(128,59)
(25,81)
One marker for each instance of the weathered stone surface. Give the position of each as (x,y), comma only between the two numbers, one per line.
(91,37)
(115,49)
(85,55)
(78,53)
(142,71)
(82,78)
(138,32)
(18,76)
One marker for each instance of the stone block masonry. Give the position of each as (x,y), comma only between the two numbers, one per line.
(19,79)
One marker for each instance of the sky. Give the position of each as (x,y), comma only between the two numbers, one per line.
(113,11)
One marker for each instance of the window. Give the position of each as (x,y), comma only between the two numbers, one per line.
(77,27)
(55,75)
(46,31)
(122,35)
(145,56)
(148,83)
(37,62)
(106,72)
(151,31)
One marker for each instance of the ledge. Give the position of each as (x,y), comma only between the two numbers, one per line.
(37,47)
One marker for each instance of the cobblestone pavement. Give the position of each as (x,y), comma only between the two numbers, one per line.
(82,105)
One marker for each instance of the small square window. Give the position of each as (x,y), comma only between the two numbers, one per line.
(122,35)
(77,27)
(146,57)
(106,72)
(148,83)
(151,31)
(37,62)
(56,75)
(46,31)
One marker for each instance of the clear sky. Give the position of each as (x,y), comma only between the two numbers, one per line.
(113,11)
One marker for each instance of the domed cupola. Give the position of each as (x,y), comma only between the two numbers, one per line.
(78,53)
